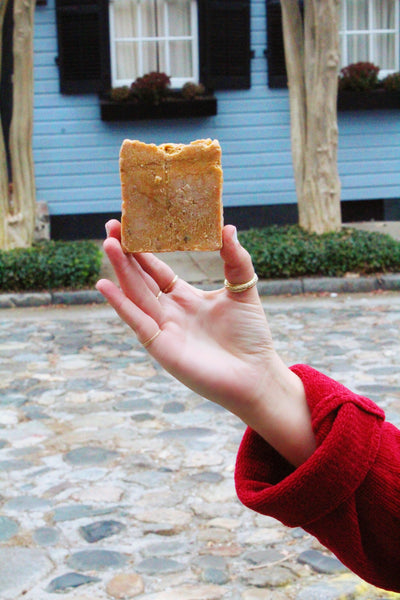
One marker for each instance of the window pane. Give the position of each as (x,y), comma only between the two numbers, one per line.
(384,16)
(181,59)
(149,21)
(151,58)
(127,60)
(384,50)
(125,18)
(179,17)
(357,48)
(357,14)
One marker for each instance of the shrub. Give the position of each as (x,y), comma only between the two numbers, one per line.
(289,251)
(50,265)
(391,83)
(359,76)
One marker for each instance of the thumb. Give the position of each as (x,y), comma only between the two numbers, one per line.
(237,261)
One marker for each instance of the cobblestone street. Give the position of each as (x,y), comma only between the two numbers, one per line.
(116,482)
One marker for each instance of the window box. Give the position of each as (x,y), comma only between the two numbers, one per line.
(371,100)
(171,107)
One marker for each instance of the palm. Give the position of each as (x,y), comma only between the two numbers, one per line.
(212,342)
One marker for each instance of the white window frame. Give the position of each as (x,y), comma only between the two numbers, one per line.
(176,82)
(344,32)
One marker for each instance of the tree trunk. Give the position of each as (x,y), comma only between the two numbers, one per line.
(312,58)
(3,160)
(22,209)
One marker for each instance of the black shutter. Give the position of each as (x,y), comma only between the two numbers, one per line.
(277,77)
(83,45)
(224,32)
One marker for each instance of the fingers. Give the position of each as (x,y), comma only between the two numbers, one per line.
(145,327)
(136,285)
(157,275)
(238,266)
(113,229)
(160,272)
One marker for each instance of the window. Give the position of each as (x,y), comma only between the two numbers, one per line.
(369,32)
(104,43)
(154,35)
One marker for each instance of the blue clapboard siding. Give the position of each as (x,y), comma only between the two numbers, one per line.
(76,154)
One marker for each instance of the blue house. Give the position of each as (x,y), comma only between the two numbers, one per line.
(83,48)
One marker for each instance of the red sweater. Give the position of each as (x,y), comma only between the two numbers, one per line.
(347,494)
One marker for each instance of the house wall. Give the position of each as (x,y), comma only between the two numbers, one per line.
(76,154)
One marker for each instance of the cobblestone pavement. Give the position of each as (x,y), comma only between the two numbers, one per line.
(117,482)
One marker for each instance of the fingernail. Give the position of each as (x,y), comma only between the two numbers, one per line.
(235,236)
(107,229)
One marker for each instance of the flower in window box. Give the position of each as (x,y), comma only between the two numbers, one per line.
(391,83)
(191,90)
(361,76)
(151,88)
(121,94)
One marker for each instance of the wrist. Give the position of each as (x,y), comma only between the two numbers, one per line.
(281,415)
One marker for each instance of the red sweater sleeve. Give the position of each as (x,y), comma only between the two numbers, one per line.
(347,494)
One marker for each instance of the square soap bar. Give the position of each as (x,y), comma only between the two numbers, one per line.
(171,196)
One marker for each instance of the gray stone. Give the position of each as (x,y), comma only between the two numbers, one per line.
(69,581)
(258,557)
(78,511)
(210,561)
(329,591)
(274,576)
(46,536)
(173,408)
(100,530)
(27,503)
(320,562)
(15,400)
(8,528)
(207,477)
(96,560)
(134,404)
(165,549)
(90,455)
(215,576)
(21,568)
(15,465)
(140,417)
(154,566)
(186,433)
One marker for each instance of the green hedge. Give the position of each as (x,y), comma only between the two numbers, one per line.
(289,251)
(50,265)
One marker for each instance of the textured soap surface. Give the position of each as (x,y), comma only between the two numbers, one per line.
(171,196)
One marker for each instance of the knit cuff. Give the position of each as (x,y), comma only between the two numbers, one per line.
(347,428)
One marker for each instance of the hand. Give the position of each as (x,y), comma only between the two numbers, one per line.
(217,343)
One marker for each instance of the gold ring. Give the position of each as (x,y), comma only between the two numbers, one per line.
(235,288)
(170,285)
(153,337)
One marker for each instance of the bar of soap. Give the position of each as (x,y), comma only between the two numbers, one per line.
(171,196)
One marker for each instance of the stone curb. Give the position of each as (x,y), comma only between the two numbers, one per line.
(275,287)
